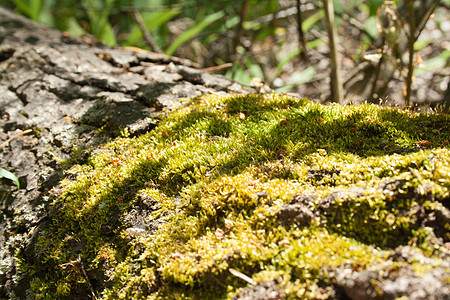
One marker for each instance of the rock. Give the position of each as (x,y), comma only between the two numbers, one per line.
(299,210)
(307,200)
(316,176)
(262,195)
(439,220)
(397,278)
(301,215)
(267,290)
(393,282)
(139,218)
(327,203)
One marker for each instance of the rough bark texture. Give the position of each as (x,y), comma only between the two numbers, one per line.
(74,94)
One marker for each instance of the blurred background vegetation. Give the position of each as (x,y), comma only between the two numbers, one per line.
(261,38)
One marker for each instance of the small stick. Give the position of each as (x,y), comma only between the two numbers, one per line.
(74,264)
(301,35)
(14,137)
(425,20)
(240,29)
(242,276)
(217,68)
(411,40)
(336,75)
(377,72)
(148,37)
(87,278)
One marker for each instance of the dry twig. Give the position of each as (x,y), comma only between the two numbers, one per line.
(14,137)
(147,36)
(240,29)
(78,265)
(336,78)
(242,276)
(301,35)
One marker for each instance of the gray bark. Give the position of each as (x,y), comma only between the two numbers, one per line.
(74,94)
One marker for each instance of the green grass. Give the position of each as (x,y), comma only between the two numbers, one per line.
(203,168)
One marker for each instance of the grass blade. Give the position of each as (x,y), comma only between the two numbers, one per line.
(192,32)
(9,175)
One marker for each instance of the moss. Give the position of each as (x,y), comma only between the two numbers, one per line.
(220,170)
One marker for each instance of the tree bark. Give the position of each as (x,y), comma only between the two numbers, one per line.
(73,94)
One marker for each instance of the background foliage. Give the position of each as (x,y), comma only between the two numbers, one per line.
(264,45)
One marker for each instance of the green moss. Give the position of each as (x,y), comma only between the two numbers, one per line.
(220,170)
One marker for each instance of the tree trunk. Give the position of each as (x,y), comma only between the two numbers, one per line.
(71,95)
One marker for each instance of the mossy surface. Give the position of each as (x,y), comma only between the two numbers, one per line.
(218,174)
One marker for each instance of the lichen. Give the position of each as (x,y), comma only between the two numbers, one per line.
(220,171)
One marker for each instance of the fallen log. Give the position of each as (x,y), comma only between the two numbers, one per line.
(72,95)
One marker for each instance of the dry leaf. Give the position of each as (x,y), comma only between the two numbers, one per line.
(423,144)
(284,122)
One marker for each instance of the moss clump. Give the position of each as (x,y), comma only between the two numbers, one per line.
(167,214)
